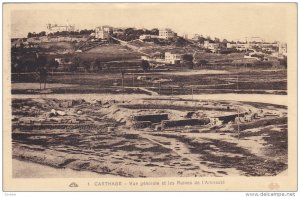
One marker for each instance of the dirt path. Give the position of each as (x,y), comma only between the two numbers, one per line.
(134,48)
(149,91)
(180,149)
(262,98)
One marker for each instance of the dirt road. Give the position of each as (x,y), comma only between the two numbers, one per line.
(272,99)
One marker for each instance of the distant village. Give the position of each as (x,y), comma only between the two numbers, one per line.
(254,48)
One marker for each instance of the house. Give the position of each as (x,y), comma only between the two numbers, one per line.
(196,37)
(147,36)
(230,45)
(282,49)
(239,46)
(173,58)
(166,33)
(103,32)
(63,64)
(243,46)
(157,58)
(118,31)
(211,46)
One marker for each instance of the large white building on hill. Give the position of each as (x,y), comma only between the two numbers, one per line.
(56,27)
(166,33)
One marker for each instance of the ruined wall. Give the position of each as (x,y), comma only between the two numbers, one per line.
(154,118)
(185,122)
(142,124)
(229,118)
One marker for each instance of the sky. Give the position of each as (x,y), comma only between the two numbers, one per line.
(229,21)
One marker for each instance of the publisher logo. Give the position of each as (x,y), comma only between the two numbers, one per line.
(73,184)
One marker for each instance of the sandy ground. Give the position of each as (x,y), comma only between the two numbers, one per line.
(25,169)
(36,86)
(83,142)
(272,99)
(198,72)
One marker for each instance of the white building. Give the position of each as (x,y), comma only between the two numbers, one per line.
(282,48)
(239,46)
(230,45)
(173,58)
(147,36)
(211,46)
(196,37)
(103,32)
(166,33)
(56,27)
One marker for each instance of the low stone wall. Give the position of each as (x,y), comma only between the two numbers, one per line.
(153,118)
(229,118)
(142,124)
(185,122)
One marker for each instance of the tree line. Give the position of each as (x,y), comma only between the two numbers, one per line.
(61,33)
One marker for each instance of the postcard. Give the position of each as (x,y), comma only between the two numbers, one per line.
(150,97)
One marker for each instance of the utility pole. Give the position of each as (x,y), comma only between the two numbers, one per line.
(238,123)
(133,79)
(159,88)
(192,92)
(238,110)
(123,73)
(237,78)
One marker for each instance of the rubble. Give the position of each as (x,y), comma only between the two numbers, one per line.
(142,124)
(67,104)
(110,129)
(53,112)
(61,113)
(229,118)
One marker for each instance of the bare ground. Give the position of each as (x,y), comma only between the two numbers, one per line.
(82,141)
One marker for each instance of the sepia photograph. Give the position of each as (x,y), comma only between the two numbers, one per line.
(202,93)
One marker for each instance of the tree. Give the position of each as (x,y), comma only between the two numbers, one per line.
(155,31)
(129,31)
(202,62)
(43,33)
(188,57)
(76,62)
(86,66)
(97,64)
(217,40)
(40,61)
(190,65)
(201,39)
(225,41)
(29,35)
(188,60)
(145,65)
(53,64)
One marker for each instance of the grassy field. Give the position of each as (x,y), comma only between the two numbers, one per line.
(112,52)
(174,80)
(57,45)
(167,83)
